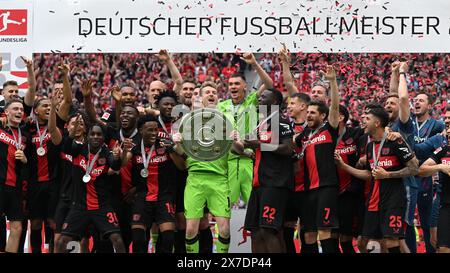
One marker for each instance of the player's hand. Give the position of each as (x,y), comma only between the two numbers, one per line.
(249,58)
(76,125)
(3,121)
(163,55)
(433,237)
(250,154)
(64,67)
(86,88)
(115,92)
(329,74)
(284,55)
(234,135)
(395,66)
(393,136)
(177,138)
(403,67)
(338,159)
(117,151)
(28,62)
(380,173)
(127,144)
(20,155)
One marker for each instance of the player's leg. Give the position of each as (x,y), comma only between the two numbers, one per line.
(194,204)
(106,222)
(245,179)
(165,219)
(15,232)
(327,217)
(223,241)
(424,206)
(205,234)
(309,212)
(443,232)
(180,219)
(411,203)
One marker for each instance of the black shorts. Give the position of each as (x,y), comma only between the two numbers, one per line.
(78,221)
(62,210)
(383,223)
(320,209)
(443,228)
(11,203)
(294,206)
(42,200)
(349,213)
(148,212)
(181,185)
(266,208)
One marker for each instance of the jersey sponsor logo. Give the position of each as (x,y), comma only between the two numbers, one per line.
(106,115)
(382,163)
(159,159)
(418,139)
(8,140)
(346,150)
(162,134)
(36,138)
(317,140)
(96,172)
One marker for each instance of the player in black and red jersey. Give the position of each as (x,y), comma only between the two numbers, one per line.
(91,184)
(317,143)
(297,110)
(350,188)
(273,176)
(15,152)
(42,196)
(387,162)
(155,181)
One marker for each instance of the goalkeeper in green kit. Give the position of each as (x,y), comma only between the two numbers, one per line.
(207,185)
(241,111)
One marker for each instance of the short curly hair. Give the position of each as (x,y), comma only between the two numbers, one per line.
(164,94)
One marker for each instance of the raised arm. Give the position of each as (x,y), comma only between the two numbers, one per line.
(393,84)
(55,133)
(287,76)
(164,56)
(30,96)
(249,58)
(64,108)
(86,90)
(333,117)
(117,96)
(403,93)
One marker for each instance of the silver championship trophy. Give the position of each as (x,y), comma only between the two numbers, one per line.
(206,134)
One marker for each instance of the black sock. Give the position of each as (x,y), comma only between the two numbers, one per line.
(328,245)
(139,240)
(206,241)
(180,244)
(310,248)
(347,247)
(288,236)
(395,249)
(23,236)
(36,240)
(166,240)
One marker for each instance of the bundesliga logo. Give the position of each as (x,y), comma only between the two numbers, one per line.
(13,22)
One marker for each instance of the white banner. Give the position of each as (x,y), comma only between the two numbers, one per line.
(241,25)
(15,40)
